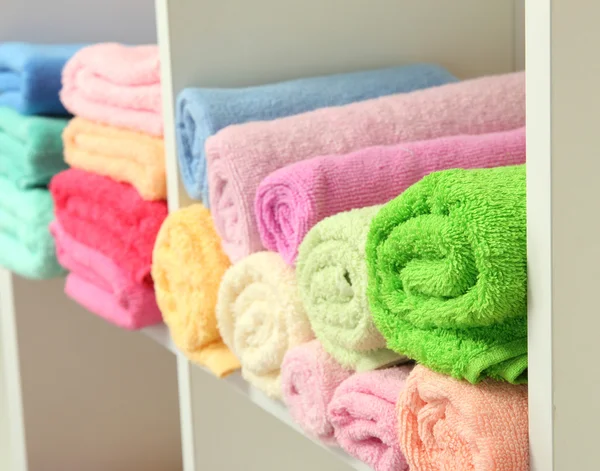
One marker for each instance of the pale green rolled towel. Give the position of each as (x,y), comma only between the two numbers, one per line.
(332,278)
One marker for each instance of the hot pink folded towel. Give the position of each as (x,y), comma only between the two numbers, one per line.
(291,200)
(309,377)
(450,425)
(240,157)
(363,415)
(99,285)
(115,84)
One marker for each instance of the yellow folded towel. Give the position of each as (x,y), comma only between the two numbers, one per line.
(187,266)
(126,156)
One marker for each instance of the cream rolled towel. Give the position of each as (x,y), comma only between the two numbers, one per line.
(260,317)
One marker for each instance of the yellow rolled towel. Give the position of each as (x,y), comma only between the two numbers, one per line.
(187,266)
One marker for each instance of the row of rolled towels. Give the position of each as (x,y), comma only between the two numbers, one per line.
(332,247)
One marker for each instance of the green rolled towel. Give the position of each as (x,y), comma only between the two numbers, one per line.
(448,275)
(31,148)
(331,273)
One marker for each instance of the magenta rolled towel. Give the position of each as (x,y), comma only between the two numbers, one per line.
(363,415)
(309,377)
(291,200)
(240,157)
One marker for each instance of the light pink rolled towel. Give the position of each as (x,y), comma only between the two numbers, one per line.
(240,157)
(363,415)
(309,378)
(100,286)
(115,84)
(291,200)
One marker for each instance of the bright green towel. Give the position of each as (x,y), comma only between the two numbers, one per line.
(31,148)
(448,275)
(26,246)
(332,278)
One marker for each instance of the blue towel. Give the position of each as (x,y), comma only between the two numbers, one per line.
(202,112)
(30,77)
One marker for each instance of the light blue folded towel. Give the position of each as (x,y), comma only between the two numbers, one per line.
(202,112)
(30,77)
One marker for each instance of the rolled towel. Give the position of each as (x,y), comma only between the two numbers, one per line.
(240,157)
(261,317)
(450,425)
(117,85)
(187,268)
(31,149)
(110,217)
(30,76)
(26,246)
(294,198)
(202,112)
(99,285)
(332,279)
(309,378)
(363,415)
(447,265)
(126,156)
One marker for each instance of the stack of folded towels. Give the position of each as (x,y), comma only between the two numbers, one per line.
(111,203)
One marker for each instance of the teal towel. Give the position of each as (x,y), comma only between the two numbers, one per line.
(31,148)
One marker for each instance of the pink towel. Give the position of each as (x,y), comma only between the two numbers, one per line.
(450,425)
(291,200)
(115,84)
(240,157)
(363,415)
(309,377)
(101,286)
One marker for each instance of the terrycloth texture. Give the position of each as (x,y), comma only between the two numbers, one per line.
(309,377)
(110,217)
(202,112)
(447,264)
(126,156)
(332,279)
(240,157)
(99,285)
(450,425)
(294,198)
(26,246)
(260,316)
(117,85)
(31,150)
(363,415)
(187,268)
(30,76)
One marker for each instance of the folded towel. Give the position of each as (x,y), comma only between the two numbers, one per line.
(187,268)
(30,76)
(202,112)
(363,415)
(309,377)
(450,425)
(447,264)
(261,317)
(31,150)
(26,246)
(110,217)
(126,156)
(294,198)
(332,279)
(240,157)
(117,85)
(101,286)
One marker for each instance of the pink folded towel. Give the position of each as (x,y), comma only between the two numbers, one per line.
(363,415)
(309,377)
(291,200)
(102,287)
(240,157)
(115,84)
